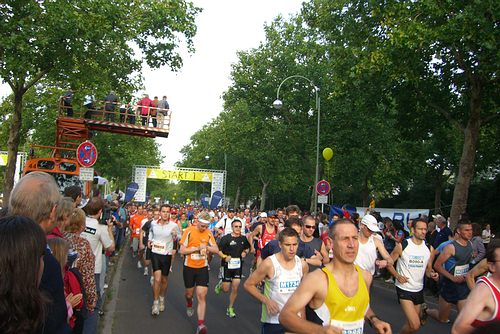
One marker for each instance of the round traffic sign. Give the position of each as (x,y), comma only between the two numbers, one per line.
(86,154)
(323,187)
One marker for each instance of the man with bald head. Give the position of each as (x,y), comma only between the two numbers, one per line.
(36,196)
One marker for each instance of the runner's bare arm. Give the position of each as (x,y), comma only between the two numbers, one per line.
(309,292)
(448,251)
(381,249)
(474,305)
(478,270)
(395,254)
(265,270)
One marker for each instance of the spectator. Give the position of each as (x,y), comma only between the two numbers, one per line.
(144,106)
(110,102)
(72,288)
(430,237)
(75,192)
(154,111)
(478,250)
(444,233)
(88,103)
(64,210)
(486,235)
(86,259)
(36,195)
(23,248)
(163,109)
(67,102)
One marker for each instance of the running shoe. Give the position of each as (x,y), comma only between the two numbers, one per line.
(423,314)
(230,312)
(201,329)
(156,308)
(139,265)
(218,287)
(146,271)
(162,304)
(190,311)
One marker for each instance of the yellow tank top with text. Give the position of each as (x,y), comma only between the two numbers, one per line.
(347,313)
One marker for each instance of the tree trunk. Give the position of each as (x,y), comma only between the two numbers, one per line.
(13,144)
(313,206)
(263,195)
(437,196)
(466,167)
(237,197)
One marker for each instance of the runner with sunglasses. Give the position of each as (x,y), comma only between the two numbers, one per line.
(316,244)
(232,249)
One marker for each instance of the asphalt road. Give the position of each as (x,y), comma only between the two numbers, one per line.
(130,299)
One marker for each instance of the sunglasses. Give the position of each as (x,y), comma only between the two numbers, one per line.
(309,226)
(237,226)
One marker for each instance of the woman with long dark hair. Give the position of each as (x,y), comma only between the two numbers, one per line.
(22,246)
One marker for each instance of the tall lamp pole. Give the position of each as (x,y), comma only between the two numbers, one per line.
(277,104)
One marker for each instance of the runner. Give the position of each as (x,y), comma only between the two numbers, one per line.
(135,232)
(196,241)
(316,244)
(232,249)
(161,242)
(483,304)
(143,241)
(175,219)
(224,224)
(336,298)
(282,273)
(369,245)
(453,287)
(413,255)
(266,231)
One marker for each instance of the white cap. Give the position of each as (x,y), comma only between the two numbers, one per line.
(371,223)
(212,214)
(263,215)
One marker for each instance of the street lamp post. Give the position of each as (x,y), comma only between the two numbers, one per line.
(277,104)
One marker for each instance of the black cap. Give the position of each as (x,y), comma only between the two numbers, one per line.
(230,210)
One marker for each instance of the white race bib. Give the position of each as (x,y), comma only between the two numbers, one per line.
(198,256)
(159,248)
(349,327)
(137,231)
(234,263)
(288,285)
(461,270)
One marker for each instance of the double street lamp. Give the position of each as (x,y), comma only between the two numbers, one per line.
(277,104)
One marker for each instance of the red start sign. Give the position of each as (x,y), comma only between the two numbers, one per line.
(323,187)
(86,154)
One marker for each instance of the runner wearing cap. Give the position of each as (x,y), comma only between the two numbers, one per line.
(224,224)
(266,232)
(444,233)
(196,241)
(368,246)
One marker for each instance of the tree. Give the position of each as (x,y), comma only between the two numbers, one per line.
(62,40)
(445,51)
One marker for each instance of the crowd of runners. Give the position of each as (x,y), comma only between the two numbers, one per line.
(311,274)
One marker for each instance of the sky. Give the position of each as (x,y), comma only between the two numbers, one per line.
(195,92)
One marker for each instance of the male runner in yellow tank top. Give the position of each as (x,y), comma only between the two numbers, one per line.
(336,299)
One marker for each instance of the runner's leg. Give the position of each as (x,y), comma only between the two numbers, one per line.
(234,291)
(412,313)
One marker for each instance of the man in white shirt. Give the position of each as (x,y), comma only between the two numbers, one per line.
(224,223)
(99,233)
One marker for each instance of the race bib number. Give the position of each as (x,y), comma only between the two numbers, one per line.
(159,248)
(137,231)
(234,264)
(461,270)
(198,256)
(349,327)
(288,285)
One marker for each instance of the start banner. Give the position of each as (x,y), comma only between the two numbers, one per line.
(179,175)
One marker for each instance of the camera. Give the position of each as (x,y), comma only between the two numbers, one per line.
(107,212)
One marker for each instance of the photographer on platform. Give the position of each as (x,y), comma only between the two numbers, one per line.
(99,232)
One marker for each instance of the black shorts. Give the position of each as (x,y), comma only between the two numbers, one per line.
(148,253)
(453,292)
(227,275)
(195,276)
(416,297)
(272,328)
(161,262)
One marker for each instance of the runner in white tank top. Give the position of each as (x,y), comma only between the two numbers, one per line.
(413,257)
(368,246)
(282,273)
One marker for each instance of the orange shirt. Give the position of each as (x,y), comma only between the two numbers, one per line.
(135,225)
(193,237)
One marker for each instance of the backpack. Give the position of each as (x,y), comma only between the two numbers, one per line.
(84,312)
